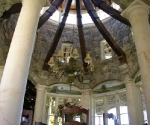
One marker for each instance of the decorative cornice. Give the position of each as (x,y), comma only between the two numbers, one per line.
(138,5)
(41,87)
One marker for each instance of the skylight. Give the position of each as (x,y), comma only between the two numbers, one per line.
(86,19)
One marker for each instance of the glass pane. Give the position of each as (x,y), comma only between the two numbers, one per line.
(86,18)
(98,120)
(51,109)
(110,122)
(145,116)
(102,15)
(113,111)
(59,121)
(55,16)
(124,119)
(99,106)
(71,19)
(123,109)
(51,120)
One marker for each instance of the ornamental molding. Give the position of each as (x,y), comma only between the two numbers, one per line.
(6,5)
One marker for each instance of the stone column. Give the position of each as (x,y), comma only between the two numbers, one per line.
(1,72)
(40,92)
(14,79)
(138,14)
(117,107)
(86,100)
(131,96)
(44,120)
(105,108)
(139,104)
(131,100)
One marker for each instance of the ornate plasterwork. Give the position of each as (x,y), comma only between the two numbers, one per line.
(6,5)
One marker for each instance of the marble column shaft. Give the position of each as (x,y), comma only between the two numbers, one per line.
(86,100)
(1,72)
(138,14)
(14,79)
(38,112)
(131,100)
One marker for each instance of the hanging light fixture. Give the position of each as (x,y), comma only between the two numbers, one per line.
(88,58)
(91,66)
(69,68)
(59,55)
(75,53)
(51,62)
(55,69)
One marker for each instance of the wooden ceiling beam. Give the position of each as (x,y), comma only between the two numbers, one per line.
(49,12)
(81,34)
(113,44)
(110,11)
(57,34)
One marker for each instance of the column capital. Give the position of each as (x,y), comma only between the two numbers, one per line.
(128,80)
(44,3)
(40,87)
(135,8)
(86,91)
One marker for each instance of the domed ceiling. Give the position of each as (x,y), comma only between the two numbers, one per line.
(50,36)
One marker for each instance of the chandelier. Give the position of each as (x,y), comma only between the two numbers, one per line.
(62,66)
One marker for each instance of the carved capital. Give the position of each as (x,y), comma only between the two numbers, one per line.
(128,80)
(86,91)
(137,7)
(41,87)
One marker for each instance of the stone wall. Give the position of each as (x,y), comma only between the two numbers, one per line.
(104,70)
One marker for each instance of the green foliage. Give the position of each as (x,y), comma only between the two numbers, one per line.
(66,104)
(138,79)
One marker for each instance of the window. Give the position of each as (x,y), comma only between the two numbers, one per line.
(86,18)
(55,16)
(145,116)
(102,15)
(144,108)
(66,50)
(113,111)
(114,103)
(50,109)
(99,110)
(106,51)
(124,115)
(71,19)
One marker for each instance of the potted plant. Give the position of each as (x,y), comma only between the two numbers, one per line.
(66,104)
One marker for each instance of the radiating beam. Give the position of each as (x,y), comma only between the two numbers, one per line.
(81,34)
(57,34)
(113,44)
(49,12)
(110,11)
